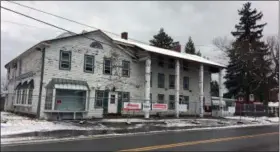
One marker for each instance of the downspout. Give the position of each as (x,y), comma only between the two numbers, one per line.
(41,83)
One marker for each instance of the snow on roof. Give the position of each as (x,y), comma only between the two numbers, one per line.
(167,52)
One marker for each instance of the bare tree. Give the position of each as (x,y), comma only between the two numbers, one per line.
(273,45)
(3,84)
(223,44)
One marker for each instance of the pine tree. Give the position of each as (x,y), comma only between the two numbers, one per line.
(248,66)
(189,48)
(198,53)
(162,40)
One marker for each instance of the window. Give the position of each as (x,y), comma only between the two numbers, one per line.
(184,100)
(89,63)
(99,95)
(160,80)
(186,83)
(24,95)
(107,66)
(160,98)
(160,61)
(49,99)
(171,81)
(96,45)
(151,79)
(151,97)
(125,96)
(125,68)
(112,99)
(18,96)
(65,60)
(30,95)
(171,64)
(171,102)
(185,65)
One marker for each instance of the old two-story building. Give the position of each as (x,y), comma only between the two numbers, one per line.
(92,74)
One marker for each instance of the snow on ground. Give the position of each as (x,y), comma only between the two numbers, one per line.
(263,120)
(14,124)
(130,120)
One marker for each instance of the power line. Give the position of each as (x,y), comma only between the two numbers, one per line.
(17,23)
(83,24)
(75,33)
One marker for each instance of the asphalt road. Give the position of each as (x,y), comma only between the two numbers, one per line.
(264,138)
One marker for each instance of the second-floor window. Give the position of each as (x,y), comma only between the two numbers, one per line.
(107,66)
(151,79)
(89,63)
(171,64)
(125,68)
(65,60)
(185,65)
(160,61)
(171,81)
(160,80)
(171,104)
(186,83)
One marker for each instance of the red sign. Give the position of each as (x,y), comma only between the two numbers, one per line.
(159,106)
(58,101)
(132,106)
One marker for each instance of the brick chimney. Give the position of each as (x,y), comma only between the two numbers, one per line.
(177,46)
(124,35)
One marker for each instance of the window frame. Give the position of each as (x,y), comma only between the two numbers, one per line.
(60,60)
(170,101)
(30,95)
(170,87)
(160,101)
(161,82)
(171,63)
(97,98)
(104,66)
(151,79)
(185,65)
(128,69)
(160,61)
(92,64)
(184,82)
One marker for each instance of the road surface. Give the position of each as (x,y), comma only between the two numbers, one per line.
(264,138)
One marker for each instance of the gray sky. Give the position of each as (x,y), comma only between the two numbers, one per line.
(141,19)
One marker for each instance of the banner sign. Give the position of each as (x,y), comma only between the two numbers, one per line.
(132,106)
(183,107)
(159,106)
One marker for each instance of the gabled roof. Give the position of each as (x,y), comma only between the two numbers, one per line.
(167,52)
(139,45)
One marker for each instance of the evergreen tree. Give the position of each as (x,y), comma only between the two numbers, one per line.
(162,40)
(198,53)
(214,88)
(189,48)
(248,66)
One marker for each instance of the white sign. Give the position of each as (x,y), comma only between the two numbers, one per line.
(132,106)
(251,97)
(183,107)
(159,106)
(146,107)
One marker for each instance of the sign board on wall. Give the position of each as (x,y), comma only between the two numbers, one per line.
(183,107)
(146,107)
(132,106)
(251,97)
(159,106)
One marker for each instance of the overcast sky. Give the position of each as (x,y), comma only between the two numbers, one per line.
(203,21)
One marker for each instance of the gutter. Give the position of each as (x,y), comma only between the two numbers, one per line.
(41,79)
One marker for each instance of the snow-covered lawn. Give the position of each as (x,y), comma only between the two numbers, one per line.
(263,120)
(14,124)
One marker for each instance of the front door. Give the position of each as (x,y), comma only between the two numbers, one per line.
(113,102)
